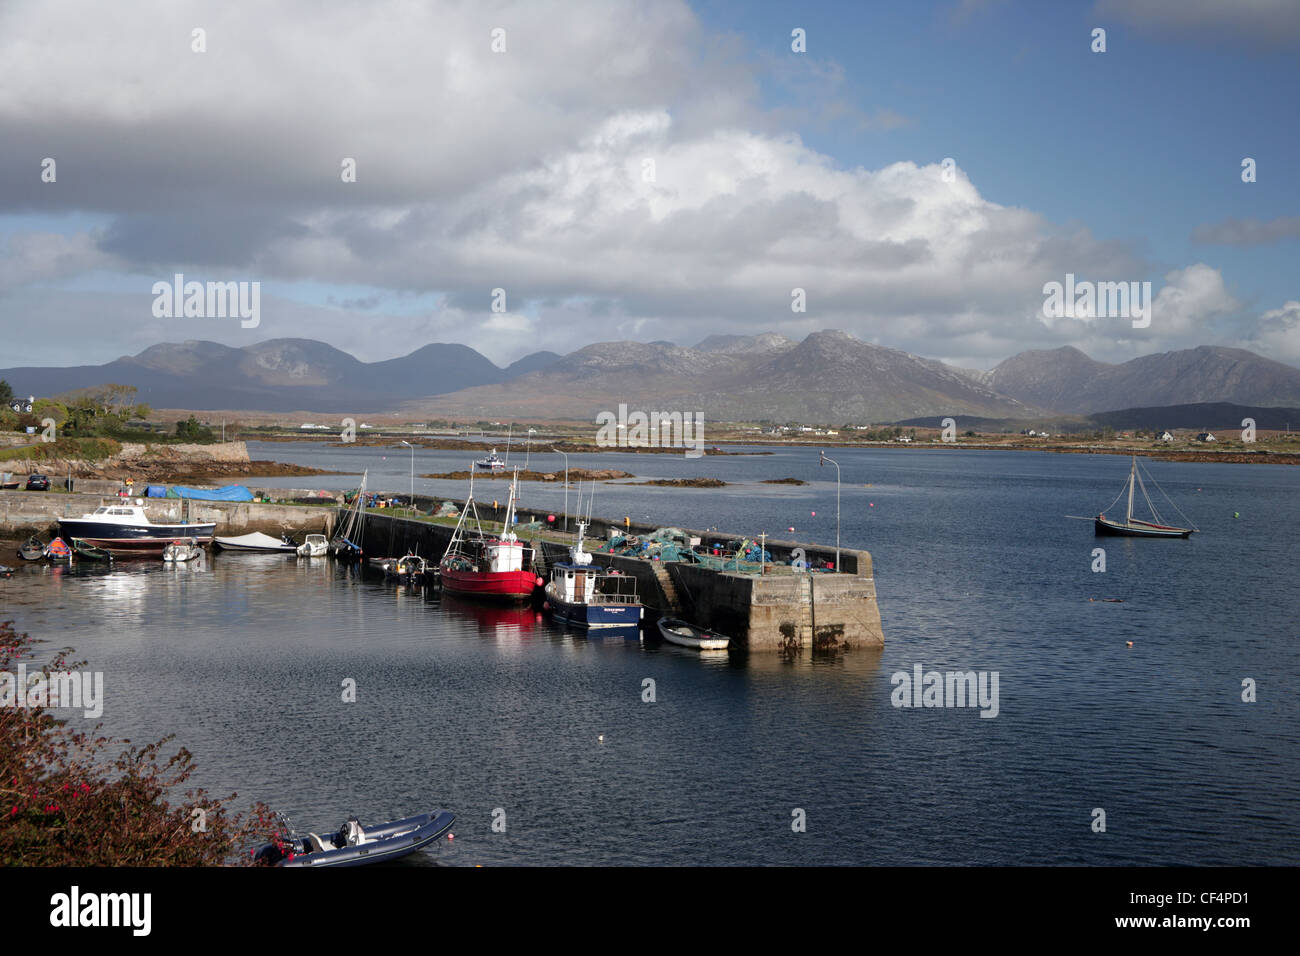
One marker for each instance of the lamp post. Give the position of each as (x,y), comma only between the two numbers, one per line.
(822,463)
(566,486)
(410,504)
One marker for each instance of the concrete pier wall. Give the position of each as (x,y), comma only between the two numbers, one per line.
(780,609)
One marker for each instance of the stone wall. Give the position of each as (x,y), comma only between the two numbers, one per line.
(34,512)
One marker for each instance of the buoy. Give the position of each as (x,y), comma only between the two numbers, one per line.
(451,836)
(601,738)
(871,504)
(791,528)
(814,514)
(550,519)
(1236,514)
(1129,643)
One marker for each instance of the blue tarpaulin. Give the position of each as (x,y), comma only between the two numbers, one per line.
(228,493)
(156,491)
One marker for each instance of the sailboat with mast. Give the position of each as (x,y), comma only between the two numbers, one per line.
(477,565)
(1134,527)
(346,544)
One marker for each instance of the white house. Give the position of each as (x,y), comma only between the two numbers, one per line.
(1166,436)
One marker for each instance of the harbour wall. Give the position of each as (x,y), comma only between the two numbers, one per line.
(24,513)
(780,609)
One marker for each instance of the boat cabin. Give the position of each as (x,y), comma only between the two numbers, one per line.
(588,584)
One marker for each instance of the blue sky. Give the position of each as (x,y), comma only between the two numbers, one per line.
(776,170)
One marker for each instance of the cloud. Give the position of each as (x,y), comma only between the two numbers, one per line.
(612,171)
(1263,24)
(1248,232)
(1277,334)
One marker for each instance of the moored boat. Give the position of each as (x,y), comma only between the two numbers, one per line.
(685,634)
(314,546)
(124,529)
(33,549)
(586,595)
(58,550)
(1132,527)
(354,845)
(88,552)
(490,462)
(258,542)
(346,544)
(488,568)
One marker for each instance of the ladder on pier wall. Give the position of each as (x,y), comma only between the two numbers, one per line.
(672,602)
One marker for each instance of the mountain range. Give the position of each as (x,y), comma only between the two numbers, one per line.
(830,376)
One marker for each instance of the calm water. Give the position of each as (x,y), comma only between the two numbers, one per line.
(976,568)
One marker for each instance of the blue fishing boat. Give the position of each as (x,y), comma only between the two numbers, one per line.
(586,595)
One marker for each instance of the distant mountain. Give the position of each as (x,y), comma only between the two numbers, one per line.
(830,376)
(1067,381)
(1223,417)
(276,375)
(531,363)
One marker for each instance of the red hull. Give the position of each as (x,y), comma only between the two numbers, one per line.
(493,585)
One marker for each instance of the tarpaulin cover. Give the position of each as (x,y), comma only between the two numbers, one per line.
(156,491)
(228,493)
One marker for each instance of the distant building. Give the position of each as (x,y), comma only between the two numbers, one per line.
(20,407)
(1205,436)
(1166,436)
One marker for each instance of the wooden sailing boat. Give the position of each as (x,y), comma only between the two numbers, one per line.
(1134,527)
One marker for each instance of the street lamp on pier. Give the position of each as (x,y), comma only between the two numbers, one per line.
(822,463)
(410,504)
(566,486)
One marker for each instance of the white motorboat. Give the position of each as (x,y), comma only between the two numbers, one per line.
(315,546)
(125,529)
(257,542)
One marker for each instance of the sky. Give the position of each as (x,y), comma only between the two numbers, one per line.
(649,171)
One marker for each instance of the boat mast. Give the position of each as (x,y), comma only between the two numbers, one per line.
(510,507)
(1132,475)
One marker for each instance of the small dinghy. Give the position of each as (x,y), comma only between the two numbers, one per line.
(410,568)
(688,635)
(88,552)
(33,549)
(58,550)
(315,546)
(257,542)
(355,845)
(6,571)
(182,551)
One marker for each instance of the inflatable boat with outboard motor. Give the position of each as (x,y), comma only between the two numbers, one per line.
(354,845)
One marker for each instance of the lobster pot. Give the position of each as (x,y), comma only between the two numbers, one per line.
(506,556)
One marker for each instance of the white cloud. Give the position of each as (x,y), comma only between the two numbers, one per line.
(522,170)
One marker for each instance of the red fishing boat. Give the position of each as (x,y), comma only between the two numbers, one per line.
(480,566)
